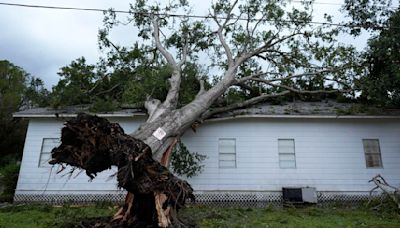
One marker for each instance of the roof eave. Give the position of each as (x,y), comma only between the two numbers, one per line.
(304,117)
(60,115)
(219,118)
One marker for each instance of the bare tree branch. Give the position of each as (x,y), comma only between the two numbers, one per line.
(292,89)
(156,34)
(263,48)
(221,37)
(263,97)
(185,50)
(152,106)
(235,21)
(253,92)
(256,77)
(109,90)
(257,23)
(171,100)
(97,83)
(243,104)
(202,89)
(250,32)
(114,46)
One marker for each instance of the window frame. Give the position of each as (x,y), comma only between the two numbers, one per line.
(366,154)
(285,153)
(42,164)
(225,153)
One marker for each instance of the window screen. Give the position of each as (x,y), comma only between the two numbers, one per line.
(287,157)
(372,153)
(227,153)
(45,154)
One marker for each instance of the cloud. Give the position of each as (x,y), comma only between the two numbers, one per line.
(42,40)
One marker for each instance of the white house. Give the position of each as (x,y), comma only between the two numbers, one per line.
(251,154)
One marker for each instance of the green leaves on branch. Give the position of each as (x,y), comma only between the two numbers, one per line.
(184,162)
(76,84)
(381,83)
(367,14)
(83,84)
(18,90)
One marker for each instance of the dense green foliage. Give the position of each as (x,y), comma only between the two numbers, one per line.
(69,216)
(382,83)
(75,85)
(186,163)
(18,90)
(379,83)
(84,84)
(12,86)
(371,15)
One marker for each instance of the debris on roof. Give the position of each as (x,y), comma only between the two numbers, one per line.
(326,108)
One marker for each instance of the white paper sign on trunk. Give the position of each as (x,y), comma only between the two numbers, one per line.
(159,133)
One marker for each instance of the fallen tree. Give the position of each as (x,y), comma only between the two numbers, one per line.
(259,48)
(388,190)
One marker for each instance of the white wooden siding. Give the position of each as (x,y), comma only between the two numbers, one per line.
(329,156)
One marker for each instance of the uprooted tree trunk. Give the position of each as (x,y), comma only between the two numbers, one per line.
(94,144)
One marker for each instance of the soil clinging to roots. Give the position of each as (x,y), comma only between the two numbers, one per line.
(94,144)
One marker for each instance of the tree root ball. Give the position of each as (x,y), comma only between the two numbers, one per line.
(94,144)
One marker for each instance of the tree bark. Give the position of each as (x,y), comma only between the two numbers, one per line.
(94,144)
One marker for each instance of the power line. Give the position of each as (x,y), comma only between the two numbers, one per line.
(185,16)
(320,3)
(332,4)
(61,8)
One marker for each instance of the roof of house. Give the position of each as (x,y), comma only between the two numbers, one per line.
(324,109)
(72,111)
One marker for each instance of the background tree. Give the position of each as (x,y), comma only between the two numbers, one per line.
(257,50)
(379,67)
(76,84)
(381,85)
(12,86)
(18,90)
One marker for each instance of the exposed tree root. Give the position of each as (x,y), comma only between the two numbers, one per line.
(94,144)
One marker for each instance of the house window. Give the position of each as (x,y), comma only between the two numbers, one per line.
(45,154)
(287,157)
(227,153)
(372,153)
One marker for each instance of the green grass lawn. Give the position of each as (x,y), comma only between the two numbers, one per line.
(67,216)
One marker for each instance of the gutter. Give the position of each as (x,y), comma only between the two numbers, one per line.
(301,117)
(61,115)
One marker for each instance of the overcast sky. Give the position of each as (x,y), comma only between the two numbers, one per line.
(43,40)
